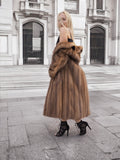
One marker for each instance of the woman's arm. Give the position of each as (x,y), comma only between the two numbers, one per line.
(59,60)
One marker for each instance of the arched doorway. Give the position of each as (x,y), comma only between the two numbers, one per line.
(97,45)
(33,43)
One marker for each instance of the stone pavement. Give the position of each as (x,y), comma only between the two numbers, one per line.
(25,134)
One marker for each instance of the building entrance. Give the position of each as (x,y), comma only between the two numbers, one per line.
(97,45)
(33,43)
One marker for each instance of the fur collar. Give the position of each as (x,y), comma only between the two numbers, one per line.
(68,45)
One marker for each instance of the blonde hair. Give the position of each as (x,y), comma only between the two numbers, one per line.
(69,22)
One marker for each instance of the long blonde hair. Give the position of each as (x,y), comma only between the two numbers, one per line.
(69,22)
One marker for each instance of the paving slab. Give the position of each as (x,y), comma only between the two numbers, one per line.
(18,136)
(107,121)
(3,109)
(14,114)
(3,104)
(3,134)
(3,119)
(117,115)
(114,129)
(117,134)
(4,150)
(15,120)
(36,152)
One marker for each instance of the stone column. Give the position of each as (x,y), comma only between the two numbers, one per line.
(104,4)
(116,34)
(88,47)
(20,43)
(82,55)
(90,4)
(106,45)
(9,44)
(119,33)
(94,5)
(60,5)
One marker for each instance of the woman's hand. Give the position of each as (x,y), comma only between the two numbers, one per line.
(62,25)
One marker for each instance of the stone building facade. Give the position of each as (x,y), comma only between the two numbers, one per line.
(28,30)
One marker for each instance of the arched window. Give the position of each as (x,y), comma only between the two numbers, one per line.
(99,4)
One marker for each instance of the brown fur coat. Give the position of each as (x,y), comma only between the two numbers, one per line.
(67,96)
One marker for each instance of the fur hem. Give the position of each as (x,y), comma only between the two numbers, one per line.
(68,118)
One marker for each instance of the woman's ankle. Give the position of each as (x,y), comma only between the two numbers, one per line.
(63,120)
(77,121)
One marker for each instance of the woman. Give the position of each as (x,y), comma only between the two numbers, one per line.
(67,96)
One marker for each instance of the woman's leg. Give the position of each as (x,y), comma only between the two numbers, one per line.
(63,120)
(77,121)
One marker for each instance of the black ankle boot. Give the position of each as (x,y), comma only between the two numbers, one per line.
(82,126)
(63,127)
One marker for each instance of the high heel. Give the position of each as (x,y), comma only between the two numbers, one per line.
(68,132)
(82,126)
(63,128)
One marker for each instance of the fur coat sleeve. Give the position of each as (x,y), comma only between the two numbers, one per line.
(61,55)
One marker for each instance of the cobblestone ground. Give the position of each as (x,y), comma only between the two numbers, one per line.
(25,134)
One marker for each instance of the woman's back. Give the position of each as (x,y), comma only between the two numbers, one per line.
(65,35)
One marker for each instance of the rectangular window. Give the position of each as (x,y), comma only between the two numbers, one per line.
(3,44)
(100,4)
(72,6)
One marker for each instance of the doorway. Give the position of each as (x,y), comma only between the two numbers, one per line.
(33,43)
(97,45)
